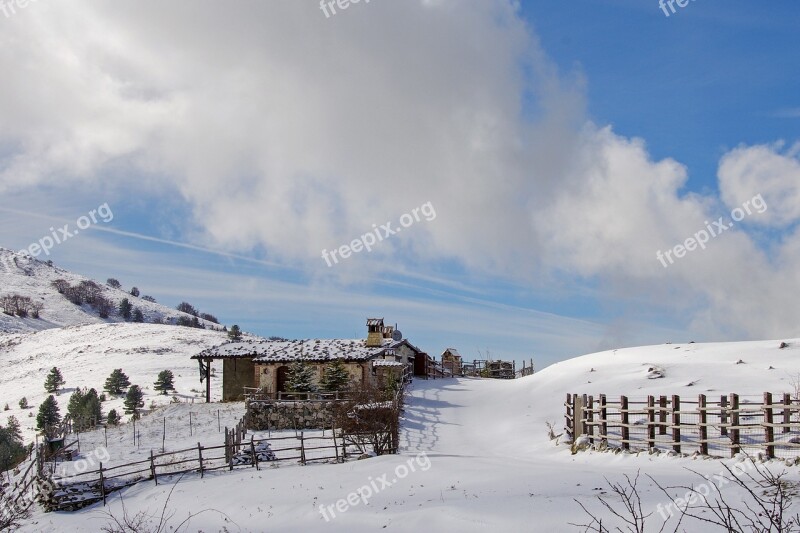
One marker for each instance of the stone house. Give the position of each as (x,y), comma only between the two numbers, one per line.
(264,364)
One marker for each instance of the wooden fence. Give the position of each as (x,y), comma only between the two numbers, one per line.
(76,491)
(724,425)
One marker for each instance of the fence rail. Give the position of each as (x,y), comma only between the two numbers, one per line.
(719,426)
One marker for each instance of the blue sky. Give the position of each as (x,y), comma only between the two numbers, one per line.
(561,143)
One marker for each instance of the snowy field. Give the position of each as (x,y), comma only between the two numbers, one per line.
(475,456)
(86,355)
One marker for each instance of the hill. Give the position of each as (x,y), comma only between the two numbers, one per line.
(86,355)
(31,278)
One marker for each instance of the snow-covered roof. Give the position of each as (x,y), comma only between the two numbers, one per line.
(312,350)
(452,351)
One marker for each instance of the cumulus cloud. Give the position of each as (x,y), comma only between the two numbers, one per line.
(291,132)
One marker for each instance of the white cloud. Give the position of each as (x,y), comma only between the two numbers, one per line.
(289,131)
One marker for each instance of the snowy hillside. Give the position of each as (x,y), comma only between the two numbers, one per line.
(30,277)
(480,455)
(86,355)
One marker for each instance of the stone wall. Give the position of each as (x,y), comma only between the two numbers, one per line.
(262,416)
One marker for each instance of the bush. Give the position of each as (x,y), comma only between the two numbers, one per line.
(187,308)
(23,403)
(113,283)
(135,292)
(149,299)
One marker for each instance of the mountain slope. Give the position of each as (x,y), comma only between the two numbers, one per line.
(30,277)
(86,355)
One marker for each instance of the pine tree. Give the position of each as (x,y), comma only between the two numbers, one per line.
(54,380)
(11,449)
(134,400)
(165,381)
(336,378)
(85,409)
(135,292)
(23,403)
(125,309)
(113,418)
(13,428)
(301,377)
(111,282)
(117,382)
(75,403)
(235,334)
(49,414)
(138,316)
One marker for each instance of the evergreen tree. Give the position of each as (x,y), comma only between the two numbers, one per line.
(111,282)
(117,382)
(23,403)
(113,418)
(138,316)
(75,403)
(134,400)
(235,334)
(301,377)
(165,381)
(54,380)
(336,378)
(11,449)
(135,292)
(85,409)
(13,428)
(125,309)
(49,414)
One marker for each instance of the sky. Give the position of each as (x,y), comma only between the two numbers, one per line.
(519,180)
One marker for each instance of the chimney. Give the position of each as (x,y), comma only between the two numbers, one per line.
(374,332)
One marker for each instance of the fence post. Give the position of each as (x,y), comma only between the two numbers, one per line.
(662,415)
(302,449)
(590,419)
(568,416)
(734,432)
(102,485)
(769,431)
(335,446)
(623,408)
(603,419)
(153,467)
(701,407)
(787,412)
(676,423)
(200,458)
(723,415)
(253,452)
(584,403)
(651,422)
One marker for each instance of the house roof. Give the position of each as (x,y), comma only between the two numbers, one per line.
(453,351)
(375,322)
(264,351)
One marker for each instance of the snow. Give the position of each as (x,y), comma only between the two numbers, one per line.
(86,355)
(311,349)
(26,276)
(490,462)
